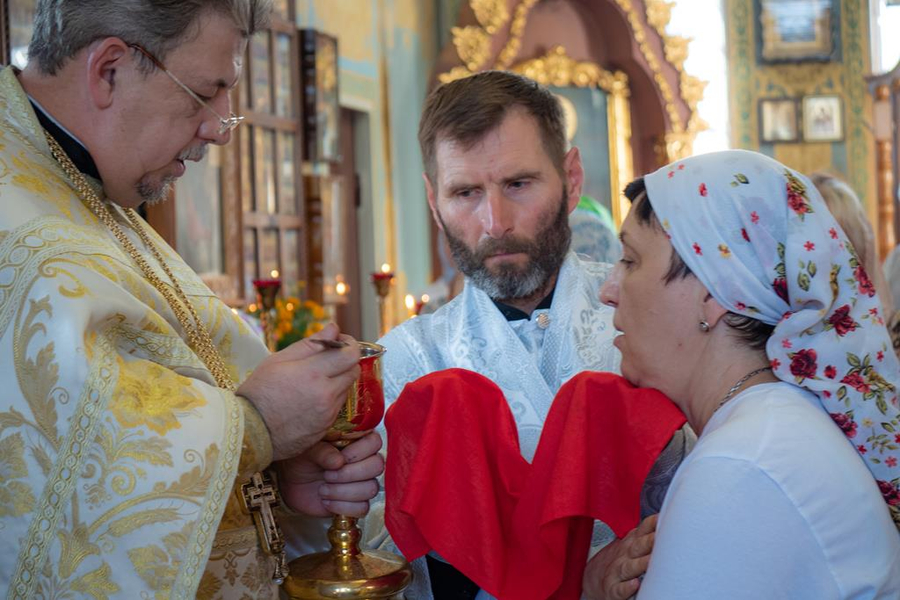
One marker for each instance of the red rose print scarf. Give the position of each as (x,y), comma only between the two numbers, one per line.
(759,237)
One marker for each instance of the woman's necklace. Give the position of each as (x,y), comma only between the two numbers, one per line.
(738,385)
(198,337)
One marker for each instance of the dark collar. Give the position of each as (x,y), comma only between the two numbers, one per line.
(72,147)
(511,313)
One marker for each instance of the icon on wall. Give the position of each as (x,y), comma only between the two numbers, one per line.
(792,31)
(321,110)
(823,119)
(778,120)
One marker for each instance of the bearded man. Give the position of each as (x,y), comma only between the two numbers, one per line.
(501,185)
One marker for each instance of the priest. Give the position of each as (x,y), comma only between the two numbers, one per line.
(138,412)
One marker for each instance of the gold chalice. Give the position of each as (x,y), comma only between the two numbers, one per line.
(345,571)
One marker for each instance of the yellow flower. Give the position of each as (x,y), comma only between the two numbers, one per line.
(283,327)
(151,395)
(318,313)
(867,422)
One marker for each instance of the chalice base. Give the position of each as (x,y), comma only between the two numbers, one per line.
(369,575)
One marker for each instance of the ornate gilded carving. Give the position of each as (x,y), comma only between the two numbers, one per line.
(454,74)
(473,45)
(559,69)
(491,14)
(516,31)
(659,13)
(637,29)
(676,49)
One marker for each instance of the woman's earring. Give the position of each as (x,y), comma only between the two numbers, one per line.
(704,326)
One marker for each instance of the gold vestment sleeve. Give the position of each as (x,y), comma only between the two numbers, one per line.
(256,449)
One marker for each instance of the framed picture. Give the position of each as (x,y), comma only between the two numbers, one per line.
(321,110)
(778,120)
(791,31)
(823,119)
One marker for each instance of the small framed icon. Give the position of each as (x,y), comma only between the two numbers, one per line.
(823,119)
(778,120)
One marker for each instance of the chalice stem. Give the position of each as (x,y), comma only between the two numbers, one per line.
(345,572)
(344,536)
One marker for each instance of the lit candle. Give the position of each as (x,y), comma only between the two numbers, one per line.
(425,298)
(410,301)
(274,273)
(385,268)
(340,288)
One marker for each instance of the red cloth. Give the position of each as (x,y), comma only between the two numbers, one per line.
(456,482)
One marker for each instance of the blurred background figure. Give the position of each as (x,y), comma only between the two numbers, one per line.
(848,211)
(892,273)
(593,232)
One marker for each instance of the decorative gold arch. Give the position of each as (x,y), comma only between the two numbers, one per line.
(474,45)
(556,68)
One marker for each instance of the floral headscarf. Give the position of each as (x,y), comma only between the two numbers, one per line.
(761,240)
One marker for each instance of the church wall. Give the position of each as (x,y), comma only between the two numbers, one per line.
(851,158)
(387,50)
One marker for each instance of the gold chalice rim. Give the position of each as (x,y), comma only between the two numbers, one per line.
(370,350)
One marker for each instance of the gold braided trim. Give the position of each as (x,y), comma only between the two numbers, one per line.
(60,485)
(158,347)
(198,336)
(203,535)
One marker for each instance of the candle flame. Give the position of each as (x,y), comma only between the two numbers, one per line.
(425,298)
(410,301)
(274,273)
(340,288)
(385,268)
(252,308)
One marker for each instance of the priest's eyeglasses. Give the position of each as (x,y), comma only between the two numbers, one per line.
(225,124)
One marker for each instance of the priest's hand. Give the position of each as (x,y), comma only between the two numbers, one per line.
(613,572)
(325,481)
(300,390)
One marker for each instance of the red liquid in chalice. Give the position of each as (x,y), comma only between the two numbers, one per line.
(370,396)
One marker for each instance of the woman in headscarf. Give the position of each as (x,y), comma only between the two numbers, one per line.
(739,297)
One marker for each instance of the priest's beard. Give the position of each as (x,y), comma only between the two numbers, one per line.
(546,252)
(153,191)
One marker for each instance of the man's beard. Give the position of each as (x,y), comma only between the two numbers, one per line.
(154,192)
(546,252)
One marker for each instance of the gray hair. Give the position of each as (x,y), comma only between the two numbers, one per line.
(62,28)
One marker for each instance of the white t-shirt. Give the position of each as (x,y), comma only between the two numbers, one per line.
(772,503)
